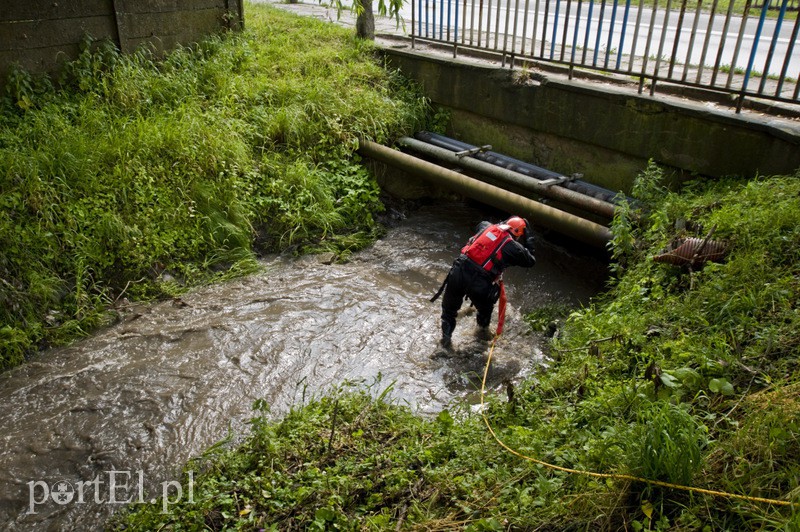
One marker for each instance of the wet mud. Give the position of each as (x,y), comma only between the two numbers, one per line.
(112,418)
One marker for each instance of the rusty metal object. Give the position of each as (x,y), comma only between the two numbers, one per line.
(694,252)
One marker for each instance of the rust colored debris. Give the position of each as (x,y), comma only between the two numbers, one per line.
(694,252)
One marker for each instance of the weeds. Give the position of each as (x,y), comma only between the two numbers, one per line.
(149,176)
(345,458)
(701,343)
(676,375)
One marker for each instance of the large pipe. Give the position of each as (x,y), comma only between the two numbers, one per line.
(522,167)
(544,215)
(587,203)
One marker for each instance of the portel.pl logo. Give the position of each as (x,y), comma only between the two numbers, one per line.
(113,487)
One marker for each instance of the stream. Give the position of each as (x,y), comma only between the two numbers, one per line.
(113,417)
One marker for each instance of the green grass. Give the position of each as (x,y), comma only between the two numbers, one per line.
(723,5)
(126,168)
(674,375)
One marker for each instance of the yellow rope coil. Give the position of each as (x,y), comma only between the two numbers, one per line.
(616,476)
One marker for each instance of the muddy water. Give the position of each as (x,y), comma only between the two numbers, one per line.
(133,401)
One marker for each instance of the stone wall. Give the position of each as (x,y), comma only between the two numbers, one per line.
(39,35)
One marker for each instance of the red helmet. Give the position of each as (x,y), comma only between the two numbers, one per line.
(516,226)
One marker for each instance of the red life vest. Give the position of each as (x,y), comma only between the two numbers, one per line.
(484,249)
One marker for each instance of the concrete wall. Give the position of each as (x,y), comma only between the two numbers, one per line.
(41,34)
(606,132)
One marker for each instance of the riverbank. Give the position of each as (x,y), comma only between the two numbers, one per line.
(135,179)
(672,400)
(679,375)
(172,378)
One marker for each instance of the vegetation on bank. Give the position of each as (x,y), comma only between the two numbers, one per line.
(687,376)
(739,7)
(134,177)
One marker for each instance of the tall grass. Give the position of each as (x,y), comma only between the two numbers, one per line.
(699,375)
(127,168)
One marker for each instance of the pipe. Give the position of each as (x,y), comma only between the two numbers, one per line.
(565,195)
(544,215)
(521,167)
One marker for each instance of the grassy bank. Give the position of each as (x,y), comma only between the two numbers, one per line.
(686,376)
(133,178)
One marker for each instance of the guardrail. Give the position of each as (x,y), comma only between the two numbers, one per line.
(706,45)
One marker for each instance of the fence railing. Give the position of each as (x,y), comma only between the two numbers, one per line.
(706,45)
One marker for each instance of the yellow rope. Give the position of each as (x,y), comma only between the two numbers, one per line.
(616,476)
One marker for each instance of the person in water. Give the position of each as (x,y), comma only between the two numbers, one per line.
(477,272)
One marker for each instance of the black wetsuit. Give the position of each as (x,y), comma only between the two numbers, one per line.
(468,279)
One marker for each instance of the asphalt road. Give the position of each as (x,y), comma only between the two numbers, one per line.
(696,29)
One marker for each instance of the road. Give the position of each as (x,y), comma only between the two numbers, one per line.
(695,31)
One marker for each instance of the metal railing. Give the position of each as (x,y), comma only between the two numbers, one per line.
(706,45)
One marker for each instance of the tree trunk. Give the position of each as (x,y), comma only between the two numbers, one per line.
(365,23)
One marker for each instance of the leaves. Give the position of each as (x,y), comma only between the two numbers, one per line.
(647,509)
(721,386)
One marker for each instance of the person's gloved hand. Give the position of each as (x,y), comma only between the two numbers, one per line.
(530,242)
(527,232)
